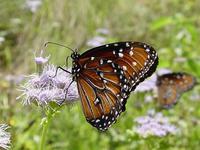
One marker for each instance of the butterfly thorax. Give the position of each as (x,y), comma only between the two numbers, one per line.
(75,65)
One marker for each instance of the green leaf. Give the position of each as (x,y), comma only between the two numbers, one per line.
(194,66)
(160,23)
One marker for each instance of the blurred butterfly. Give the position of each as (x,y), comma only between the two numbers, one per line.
(106,75)
(170,86)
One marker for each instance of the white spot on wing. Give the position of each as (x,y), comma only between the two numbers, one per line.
(127,44)
(131,53)
(101,61)
(121,55)
(147,50)
(134,63)
(105,81)
(124,68)
(97,121)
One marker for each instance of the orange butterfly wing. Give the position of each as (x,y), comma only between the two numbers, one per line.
(107,76)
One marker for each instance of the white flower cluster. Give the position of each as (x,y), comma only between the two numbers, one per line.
(2,39)
(33,5)
(100,39)
(49,86)
(4,137)
(154,124)
(96,41)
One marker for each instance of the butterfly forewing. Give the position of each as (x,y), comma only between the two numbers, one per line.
(107,76)
(171,86)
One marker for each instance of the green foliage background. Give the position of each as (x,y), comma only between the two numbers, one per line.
(172,27)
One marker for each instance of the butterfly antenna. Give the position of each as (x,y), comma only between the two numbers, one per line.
(47,43)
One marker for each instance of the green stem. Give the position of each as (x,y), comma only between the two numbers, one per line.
(50,114)
(45,129)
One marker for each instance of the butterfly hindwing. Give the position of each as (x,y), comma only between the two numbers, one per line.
(100,97)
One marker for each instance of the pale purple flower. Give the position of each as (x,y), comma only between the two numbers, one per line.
(16,79)
(4,137)
(147,85)
(154,124)
(2,39)
(163,71)
(41,59)
(180,59)
(96,41)
(148,98)
(104,31)
(150,83)
(195,97)
(33,5)
(151,112)
(143,119)
(48,87)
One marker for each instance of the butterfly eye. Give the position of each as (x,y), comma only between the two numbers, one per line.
(106,76)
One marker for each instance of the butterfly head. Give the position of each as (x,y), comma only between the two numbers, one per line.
(75,55)
(76,67)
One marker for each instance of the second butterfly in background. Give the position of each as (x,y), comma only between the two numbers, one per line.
(170,86)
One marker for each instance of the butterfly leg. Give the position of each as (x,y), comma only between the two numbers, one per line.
(66,61)
(66,93)
(62,70)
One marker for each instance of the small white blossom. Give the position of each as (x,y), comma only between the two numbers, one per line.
(195,97)
(47,87)
(16,79)
(154,124)
(104,31)
(180,59)
(33,5)
(148,99)
(4,137)
(96,41)
(2,39)
(40,59)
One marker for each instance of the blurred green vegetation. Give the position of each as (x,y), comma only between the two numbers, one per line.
(171,27)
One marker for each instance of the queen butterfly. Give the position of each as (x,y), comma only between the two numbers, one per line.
(107,74)
(171,85)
